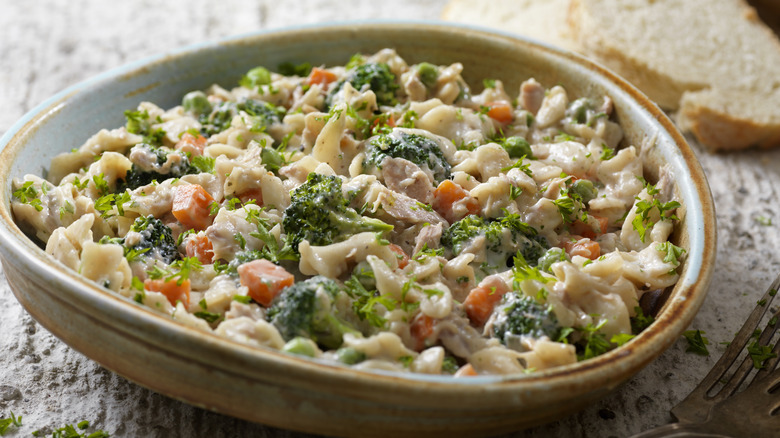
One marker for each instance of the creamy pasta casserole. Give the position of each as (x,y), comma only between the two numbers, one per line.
(378,215)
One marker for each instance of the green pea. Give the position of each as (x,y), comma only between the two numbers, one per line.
(350,356)
(256,77)
(301,346)
(196,102)
(428,74)
(585,190)
(551,256)
(517,147)
(578,110)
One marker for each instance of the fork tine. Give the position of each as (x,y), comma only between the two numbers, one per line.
(770,363)
(697,405)
(747,366)
(740,340)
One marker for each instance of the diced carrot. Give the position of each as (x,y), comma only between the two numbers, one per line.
(199,246)
(481,301)
(192,144)
(586,230)
(603,223)
(320,76)
(583,247)
(500,111)
(421,330)
(255,195)
(452,202)
(192,205)
(466,371)
(173,291)
(403,259)
(264,280)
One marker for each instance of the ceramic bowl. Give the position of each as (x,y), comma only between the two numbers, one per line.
(290,392)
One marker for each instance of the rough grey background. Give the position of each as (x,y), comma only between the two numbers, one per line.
(47,45)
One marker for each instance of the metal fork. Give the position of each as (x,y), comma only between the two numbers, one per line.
(722,405)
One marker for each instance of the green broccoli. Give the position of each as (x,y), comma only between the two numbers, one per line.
(418,149)
(156,240)
(138,177)
(520,315)
(306,309)
(262,115)
(504,237)
(321,214)
(377,76)
(156,236)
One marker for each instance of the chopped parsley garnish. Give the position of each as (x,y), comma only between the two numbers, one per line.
(760,353)
(640,321)
(606,153)
(696,342)
(672,251)
(621,338)
(5,423)
(28,194)
(763,220)
(244,299)
(642,222)
(595,343)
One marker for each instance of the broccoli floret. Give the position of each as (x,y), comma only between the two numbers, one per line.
(306,309)
(138,176)
(156,240)
(321,214)
(521,315)
(263,115)
(418,149)
(504,238)
(377,76)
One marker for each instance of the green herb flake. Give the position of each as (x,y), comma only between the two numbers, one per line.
(5,423)
(28,194)
(243,299)
(209,317)
(765,221)
(696,342)
(672,251)
(596,343)
(621,338)
(759,354)
(640,321)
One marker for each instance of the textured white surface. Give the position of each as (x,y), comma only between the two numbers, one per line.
(47,45)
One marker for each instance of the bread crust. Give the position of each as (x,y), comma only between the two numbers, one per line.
(722,131)
(717,125)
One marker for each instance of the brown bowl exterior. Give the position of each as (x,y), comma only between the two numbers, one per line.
(285,391)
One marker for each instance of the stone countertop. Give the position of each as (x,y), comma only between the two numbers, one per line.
(47,45)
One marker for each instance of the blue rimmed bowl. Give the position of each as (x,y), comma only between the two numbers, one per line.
(266,386)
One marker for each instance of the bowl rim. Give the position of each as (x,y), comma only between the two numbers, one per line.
(679,312)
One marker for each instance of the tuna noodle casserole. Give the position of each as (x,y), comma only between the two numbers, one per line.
(379,215)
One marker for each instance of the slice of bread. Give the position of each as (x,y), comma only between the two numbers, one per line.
(713,60)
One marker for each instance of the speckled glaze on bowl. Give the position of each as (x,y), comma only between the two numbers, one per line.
(290,392)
